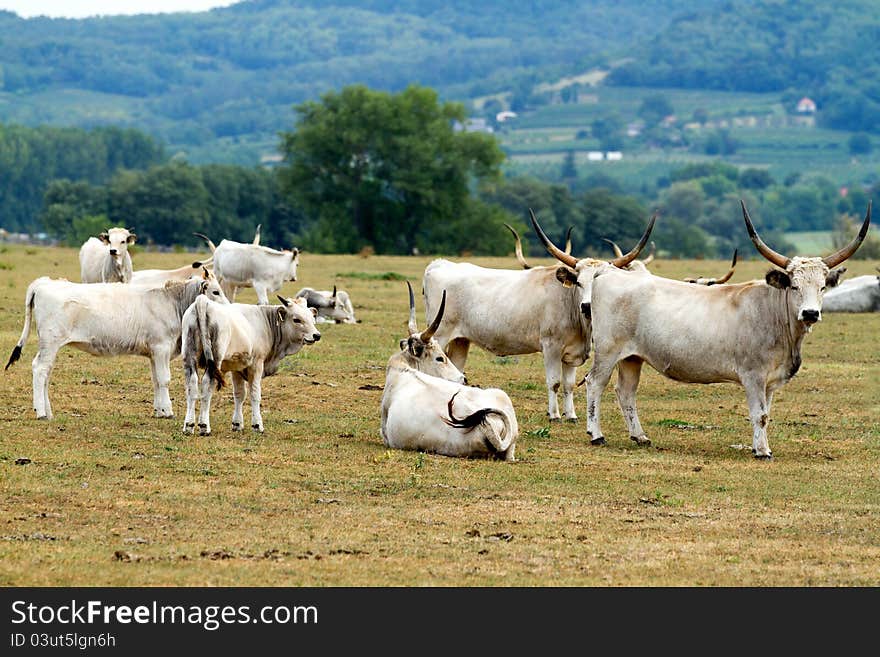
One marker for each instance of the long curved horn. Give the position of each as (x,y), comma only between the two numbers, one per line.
(208,240)
(776,258)
(257,234)
(624,260)
(518,248)
(334,291)
(617,252)
(650,257)
(428,333)
(836,258)
(729,273)
(568,240)
(413,327)
(563,257)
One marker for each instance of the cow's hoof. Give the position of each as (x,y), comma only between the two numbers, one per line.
(204,430)
(555,419)
(257,427)
(42,417)
(236,426)
(572,420)
(164,415)
(764,457)
(598,441)
(643,441)
(189,428)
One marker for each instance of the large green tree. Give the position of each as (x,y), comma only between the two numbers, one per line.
(390,171)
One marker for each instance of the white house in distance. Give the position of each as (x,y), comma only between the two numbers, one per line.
(501,117)
(806,106)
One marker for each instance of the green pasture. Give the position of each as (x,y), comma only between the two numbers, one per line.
(105,494)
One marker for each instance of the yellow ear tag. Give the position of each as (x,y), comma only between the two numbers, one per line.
(567,283)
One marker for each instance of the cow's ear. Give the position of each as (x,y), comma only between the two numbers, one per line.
(402,344)
(281,315)
(416,346)
(104,237)
(566,276)
(833,277)
(131,238)
(778,279)
(295,252)
(203,287)
(314,311)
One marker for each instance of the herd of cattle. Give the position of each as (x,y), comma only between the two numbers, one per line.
(700,330)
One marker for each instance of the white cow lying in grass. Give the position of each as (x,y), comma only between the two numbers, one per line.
(427,407)
(109,319)
(249,341)
(332,306)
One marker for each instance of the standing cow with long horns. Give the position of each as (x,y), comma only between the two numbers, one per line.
(748,333)
(510,312)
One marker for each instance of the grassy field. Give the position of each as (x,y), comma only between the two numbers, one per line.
(111,496)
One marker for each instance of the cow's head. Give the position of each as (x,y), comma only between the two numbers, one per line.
(291,267)
(421,351)
(579,272)
(117,240)
(805,279)
(343,311)
(297,320)
(210,287)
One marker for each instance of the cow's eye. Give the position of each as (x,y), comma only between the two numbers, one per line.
(823,288)
(439,359)
(215,293)
(296,320)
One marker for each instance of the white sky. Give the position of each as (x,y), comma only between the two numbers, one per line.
(83,8)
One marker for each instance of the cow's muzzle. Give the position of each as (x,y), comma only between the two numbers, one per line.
(113,252)
(312,340)
(586,309)
(810,316)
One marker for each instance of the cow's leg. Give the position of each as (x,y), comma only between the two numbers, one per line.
(239,391)
(160,363)
(255,385)
(759,414)
(597,380)
(205,409)
(191,383)
(457,351)
(569,376)
(553,374)
(41,368)
(628,372)
(262,292)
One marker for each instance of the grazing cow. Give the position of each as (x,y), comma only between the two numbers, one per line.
(105,259)
(856,295)
(427,406)
(240,265)
(509,312)
(518,245)
(249,341)
(332,306)
(748,333)
(158,277)
(716,281)
(109,319)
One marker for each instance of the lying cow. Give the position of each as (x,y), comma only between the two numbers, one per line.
(509,312)
(158,277)
(856,295)
(427,407)
(249,341)
(238,265)
(105,259)
(332,306)
(716,281)
(109,319)
(749,333)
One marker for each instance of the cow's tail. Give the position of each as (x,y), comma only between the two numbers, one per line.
(198,264)
(208,350)
(28,314)
(208,240)
(497,439)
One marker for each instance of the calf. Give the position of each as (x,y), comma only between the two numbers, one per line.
(249,341)
(424,392)
(105,259)
(109,319)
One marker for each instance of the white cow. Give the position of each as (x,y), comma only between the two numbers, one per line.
(427,407)
(238,265)
(508,312)
(249,341)
(105,259)
(109,319)
(158,277)
(749,333)
(855,295)
(332,306)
